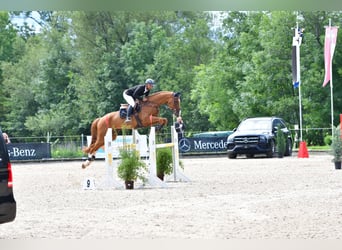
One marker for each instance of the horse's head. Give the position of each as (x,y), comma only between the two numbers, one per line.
(174,103)
(171,99)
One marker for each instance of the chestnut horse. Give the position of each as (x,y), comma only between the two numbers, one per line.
(147,116)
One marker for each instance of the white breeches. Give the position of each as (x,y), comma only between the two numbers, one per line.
(129,99)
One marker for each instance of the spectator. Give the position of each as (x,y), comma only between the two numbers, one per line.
(6,138)
(180,127)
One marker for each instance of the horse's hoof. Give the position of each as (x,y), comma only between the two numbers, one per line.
(86,164)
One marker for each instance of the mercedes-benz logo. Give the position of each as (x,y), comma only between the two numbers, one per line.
(184,145)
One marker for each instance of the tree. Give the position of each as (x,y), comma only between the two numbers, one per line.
(19,79)
(7,54)
(31,22)
(38,85)
(175,63)
(77,66)
(219,83)
(268,81)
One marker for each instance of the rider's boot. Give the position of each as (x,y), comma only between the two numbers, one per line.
(129,113)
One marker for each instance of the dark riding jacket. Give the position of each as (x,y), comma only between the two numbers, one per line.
(137,92)
(180,127)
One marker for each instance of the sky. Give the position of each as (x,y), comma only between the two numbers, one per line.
(21,20)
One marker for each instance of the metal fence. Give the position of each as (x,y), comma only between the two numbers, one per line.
(312,136)
(66,143)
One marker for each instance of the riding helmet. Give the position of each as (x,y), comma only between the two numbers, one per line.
(150,81)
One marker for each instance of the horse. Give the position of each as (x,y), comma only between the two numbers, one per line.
(146,116)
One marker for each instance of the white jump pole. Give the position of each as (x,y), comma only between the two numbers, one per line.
(140,142)
(178,175)
(153,180)
(111,165)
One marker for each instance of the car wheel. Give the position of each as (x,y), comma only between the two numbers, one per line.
(288,151)
(273,149)
(231,156)
(249,155)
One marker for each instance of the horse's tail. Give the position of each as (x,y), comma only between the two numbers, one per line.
(93,131)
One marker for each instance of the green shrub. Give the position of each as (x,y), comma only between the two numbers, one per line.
(281,143)
(327,140)
(164,161)
(131,166)
(336,145)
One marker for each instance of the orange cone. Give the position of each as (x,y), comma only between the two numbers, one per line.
(303,151)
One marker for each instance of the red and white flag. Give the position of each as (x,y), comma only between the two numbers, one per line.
(329,48)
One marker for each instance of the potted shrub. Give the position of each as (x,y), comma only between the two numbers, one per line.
(281,144)
(164,162)
(336,147)
(130,167)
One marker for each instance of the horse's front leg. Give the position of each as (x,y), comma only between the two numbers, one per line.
(90,158)
(92,152)
(159,121)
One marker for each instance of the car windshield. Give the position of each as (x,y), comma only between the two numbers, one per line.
(254,124)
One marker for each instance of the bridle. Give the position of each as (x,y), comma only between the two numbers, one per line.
(176,108)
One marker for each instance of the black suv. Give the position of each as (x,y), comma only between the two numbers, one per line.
(8,206)
(258,136)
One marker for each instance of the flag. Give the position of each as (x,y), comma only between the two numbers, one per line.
(296,42)
(294,67)
(329,48)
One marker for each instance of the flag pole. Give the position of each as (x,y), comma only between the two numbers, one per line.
(299,81)
(331,85)
(330,43)
(297,40)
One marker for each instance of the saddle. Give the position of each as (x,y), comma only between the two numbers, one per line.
(124,107)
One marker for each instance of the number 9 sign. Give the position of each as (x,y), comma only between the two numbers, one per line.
(89,183)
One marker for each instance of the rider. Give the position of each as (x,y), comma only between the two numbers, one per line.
(139,92)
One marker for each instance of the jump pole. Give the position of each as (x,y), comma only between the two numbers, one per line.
(111,166)
(153,180)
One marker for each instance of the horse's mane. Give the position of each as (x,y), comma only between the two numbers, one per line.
(160,93)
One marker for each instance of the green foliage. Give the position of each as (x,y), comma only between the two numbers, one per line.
(7,55)
(7,37)
(176,60)
(66,151)
(164,161)
(281,143)
(76,68)
(130,167)
(19,82)
(336,145)
(328,140)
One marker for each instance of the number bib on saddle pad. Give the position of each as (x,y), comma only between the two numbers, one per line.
(124,107)
(123,113)
(123,110)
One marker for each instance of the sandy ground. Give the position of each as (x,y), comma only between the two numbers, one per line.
(289,198)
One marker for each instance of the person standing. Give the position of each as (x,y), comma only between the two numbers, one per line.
(180,127)
(138,92)
(6,138)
